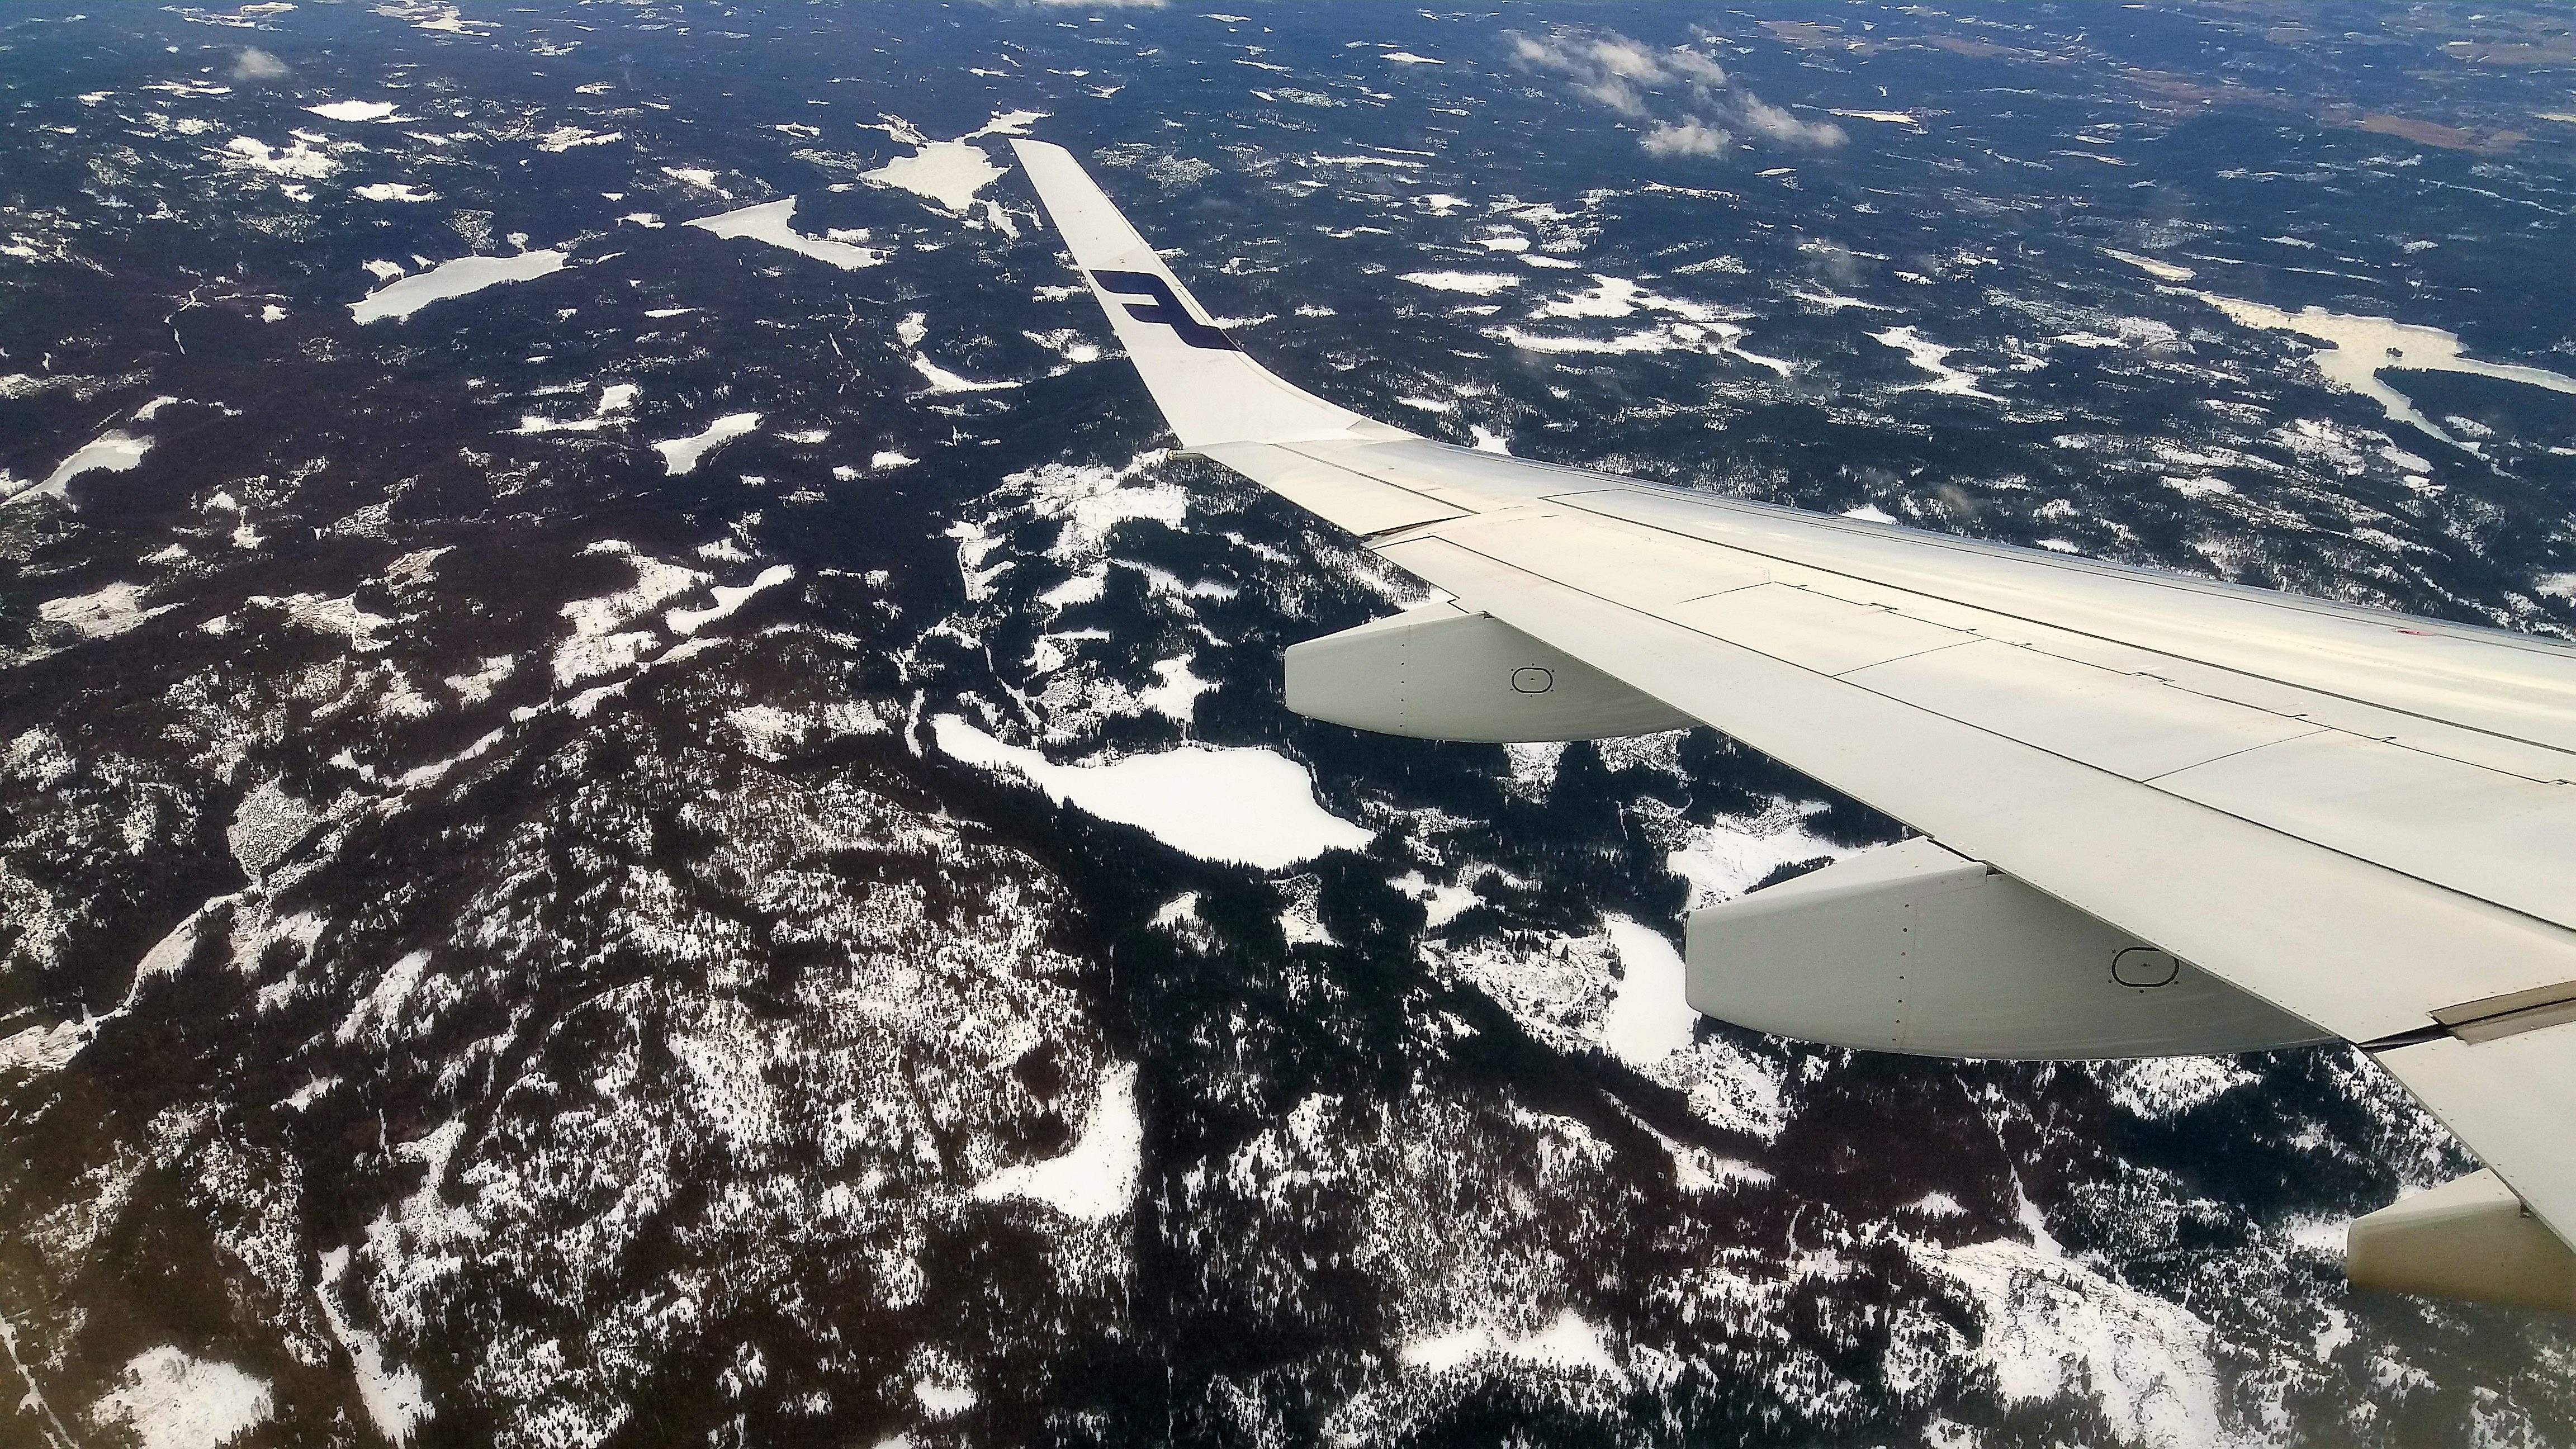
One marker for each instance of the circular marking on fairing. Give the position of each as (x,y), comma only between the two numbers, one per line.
(2145,966)
(1531,679)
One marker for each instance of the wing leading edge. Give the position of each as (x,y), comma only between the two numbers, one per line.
(2359,818)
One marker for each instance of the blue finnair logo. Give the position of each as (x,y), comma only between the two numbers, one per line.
(1164,308)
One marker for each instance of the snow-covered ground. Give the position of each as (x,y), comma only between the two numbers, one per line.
(2358,349)
(394,1398)
(1095,1179)
(770,222)
(169,1400)
(2054,1326)
(1246,805)
(1569,1342)
(1934,358)
(113,451)
(462,277)
(1649,1019)
(682,455)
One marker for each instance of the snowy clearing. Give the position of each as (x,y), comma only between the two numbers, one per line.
(948,174)
(111,610)
(167,1400)
(2054,1326)
(1650,1018)
(1479,284)
(682,455)
(1932,357)
(2358,349)
(448,280)
(690,621)
(1246,805)
(395,1399)
(768,222)
(112,452)
(355,111)
(1096,1179)
(1569,1342)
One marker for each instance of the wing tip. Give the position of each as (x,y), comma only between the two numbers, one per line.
(1208,390)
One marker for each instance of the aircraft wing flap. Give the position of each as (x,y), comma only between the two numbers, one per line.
(1811,630)
(2498,837)
(2511,1098)
(1479,482)
(2492,835)
(2231,727)
(2133,726)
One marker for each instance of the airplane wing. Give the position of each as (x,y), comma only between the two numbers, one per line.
(2346,822)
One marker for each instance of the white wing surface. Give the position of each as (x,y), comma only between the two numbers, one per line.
(2365,819)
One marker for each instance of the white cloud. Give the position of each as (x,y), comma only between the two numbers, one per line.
(255,64)
(1690,136)
(1785,128)
(1693,66)
(1671,90)
(1612,62)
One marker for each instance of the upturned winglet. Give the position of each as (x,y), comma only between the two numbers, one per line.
(1211,393)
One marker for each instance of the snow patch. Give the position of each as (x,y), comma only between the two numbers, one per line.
(2056,1327)
(1649,1018)
(681,455)
(2159,1087)
(1097,1179)
(2357,349)
(1246,805)
(595,647)
(43,1048)
(942,380)
(114,451)
(614,399)
(690,621)
(1569,1342)
(266,825)
(1176,692)
(394,1397)
(166,1399)
(1478,284)
(1933,358)
(564,138)
(768,222)
(2162,271)
(355,111)
(940,1400)
(449,280)
(1724,859)
(948,174)
(103,614)
(299,161)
